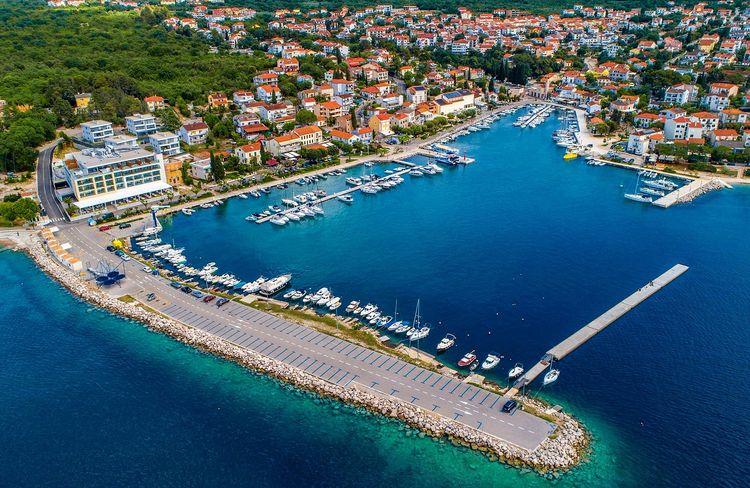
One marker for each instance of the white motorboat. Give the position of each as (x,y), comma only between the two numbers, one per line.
(353,181)
(491,361)
(345,198)
(383,321)
(352,306)
(288,202)
(395,325)
(317,209)
(293,216)
(515,371)
(298,294)
(307,211)
(275,285)
(551,376)
(278,220)
(652,192)
(658,184)
(446,343)
(404,327)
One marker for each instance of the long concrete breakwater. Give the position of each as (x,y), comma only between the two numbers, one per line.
(691,191)
(588,331)
(562,452)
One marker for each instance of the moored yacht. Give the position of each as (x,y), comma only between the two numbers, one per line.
(275,285)
(551,376)
(468,358)
(446,343)
(491,361)
(515,371)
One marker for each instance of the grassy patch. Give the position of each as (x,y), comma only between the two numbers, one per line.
(330,326)
(126,299)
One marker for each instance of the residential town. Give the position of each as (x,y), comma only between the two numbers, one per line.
(667,85)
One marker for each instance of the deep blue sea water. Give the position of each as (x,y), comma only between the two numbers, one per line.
(511,254)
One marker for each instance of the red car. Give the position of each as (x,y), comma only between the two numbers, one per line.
(105,227)
(208,298)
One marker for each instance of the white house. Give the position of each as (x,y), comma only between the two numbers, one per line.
(194,133)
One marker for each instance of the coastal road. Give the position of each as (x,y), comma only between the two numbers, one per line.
(45,187)
(328,358)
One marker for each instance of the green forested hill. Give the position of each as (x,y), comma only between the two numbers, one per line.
(51,54)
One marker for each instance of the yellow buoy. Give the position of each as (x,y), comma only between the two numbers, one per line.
(570,155)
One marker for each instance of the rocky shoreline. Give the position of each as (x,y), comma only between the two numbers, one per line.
(559,453)
(714,184)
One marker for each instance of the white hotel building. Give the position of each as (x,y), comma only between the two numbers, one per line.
(141,125)
(99,177)
(95,131)
(165,143)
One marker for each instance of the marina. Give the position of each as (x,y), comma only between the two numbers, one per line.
(538,114)
(360,271)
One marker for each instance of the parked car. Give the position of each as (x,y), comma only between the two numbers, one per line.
(105,227)
(124,226)
(510,406)
(197,293)
(208,298)
(125,257)
(221,302)
(186,289)
(146,269)
(111,248)
(151,297)
(175,284)
(119,253)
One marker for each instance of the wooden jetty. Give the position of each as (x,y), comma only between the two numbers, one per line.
(581,336)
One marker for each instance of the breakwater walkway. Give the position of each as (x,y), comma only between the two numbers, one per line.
(582,335)
(335,361)
(690,191)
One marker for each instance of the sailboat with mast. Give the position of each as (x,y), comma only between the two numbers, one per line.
(418,332)
(638,197)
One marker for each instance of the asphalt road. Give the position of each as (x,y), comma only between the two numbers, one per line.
(45,190)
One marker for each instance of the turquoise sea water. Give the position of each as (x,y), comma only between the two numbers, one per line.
(511,254)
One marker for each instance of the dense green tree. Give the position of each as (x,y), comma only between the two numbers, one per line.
(169,120)
(217,167)
(305,117)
